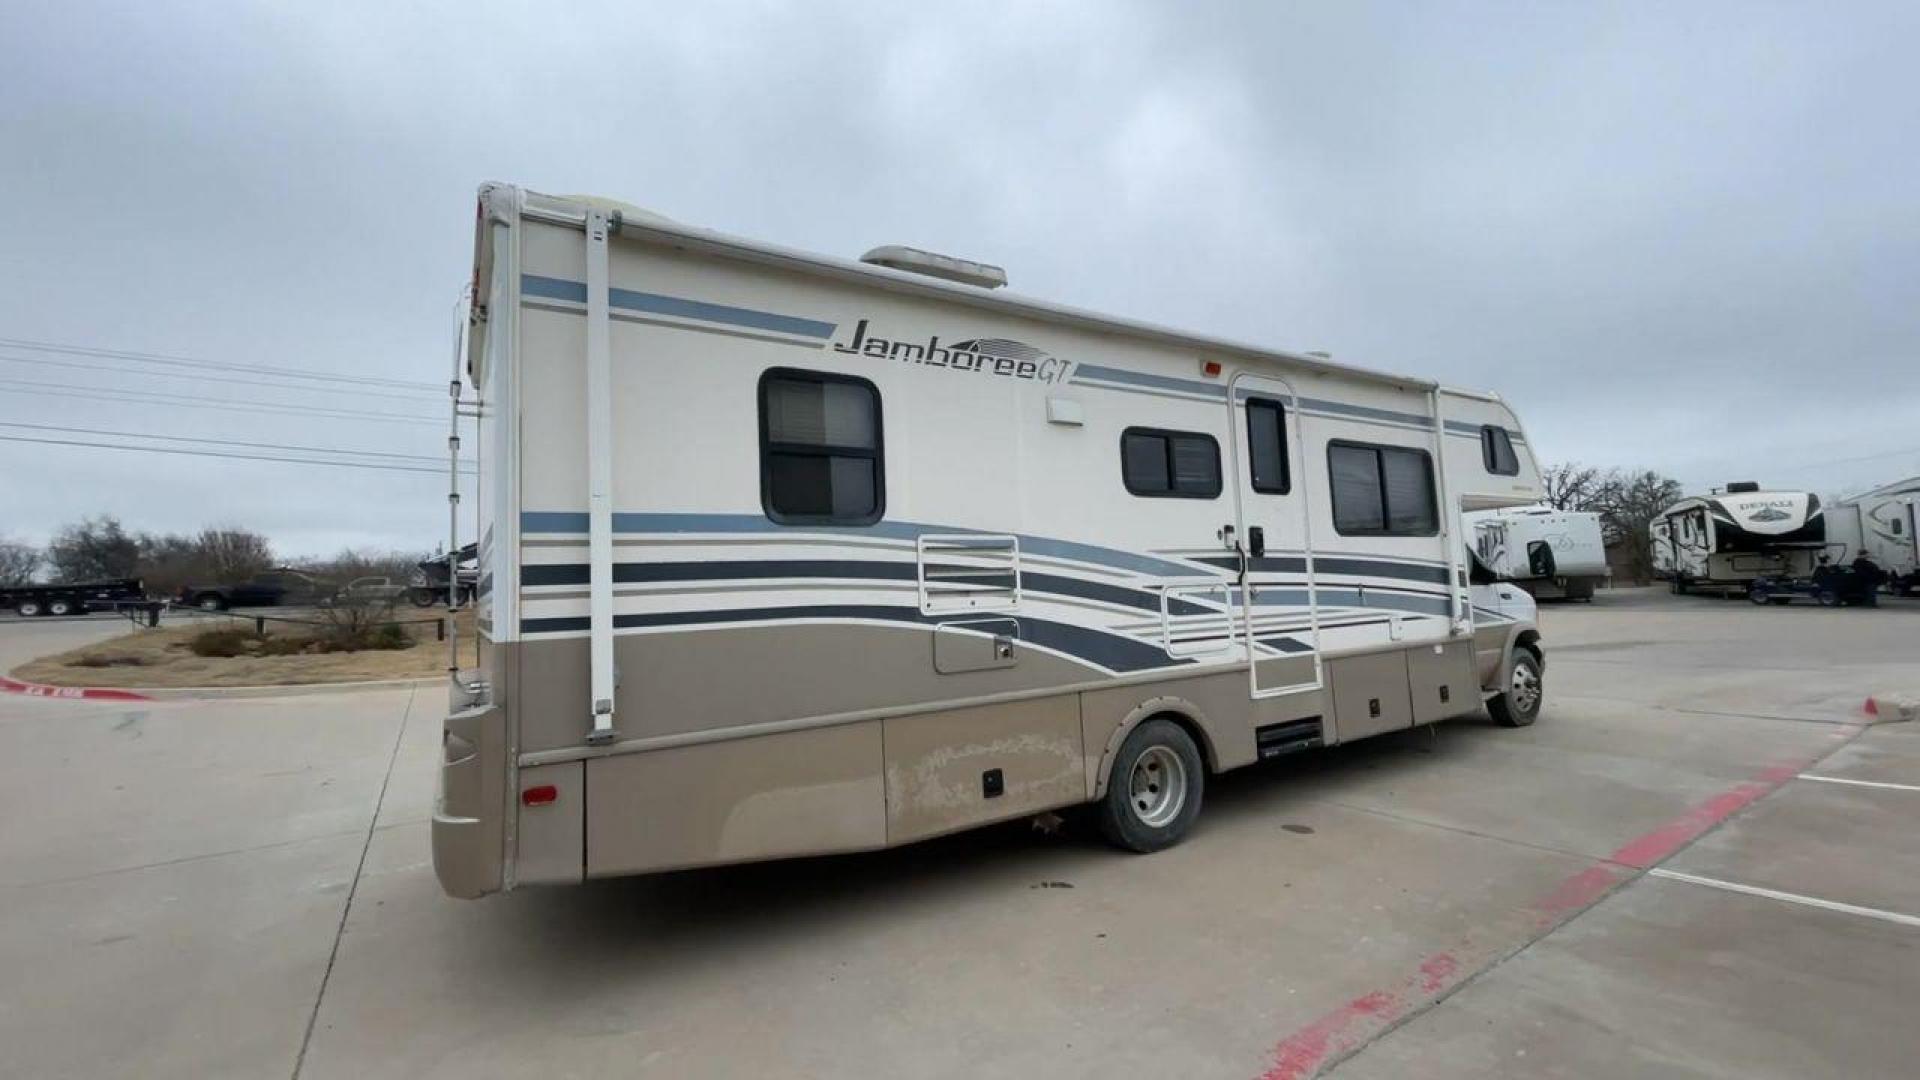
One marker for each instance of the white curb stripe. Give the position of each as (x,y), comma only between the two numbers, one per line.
(1791,898)
(1860,783)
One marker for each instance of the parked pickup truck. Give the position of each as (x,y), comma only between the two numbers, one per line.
(75,598)
(269,588)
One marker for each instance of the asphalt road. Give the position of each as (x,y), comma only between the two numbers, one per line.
(1642,884)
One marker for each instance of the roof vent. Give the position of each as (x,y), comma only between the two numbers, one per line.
(1741,487)
(932,264)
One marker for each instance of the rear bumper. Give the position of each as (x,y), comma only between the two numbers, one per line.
(469,805)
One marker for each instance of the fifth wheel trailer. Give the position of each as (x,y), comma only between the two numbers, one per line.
(1723,541)
(783,555)
(1884,525)
(1553,554)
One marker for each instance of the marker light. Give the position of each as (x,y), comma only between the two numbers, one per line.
(539,795)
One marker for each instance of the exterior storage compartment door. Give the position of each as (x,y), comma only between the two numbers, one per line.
(1440,679)
(1369,695)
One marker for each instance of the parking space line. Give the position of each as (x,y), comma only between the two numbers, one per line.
(1787,897)
(1860,783)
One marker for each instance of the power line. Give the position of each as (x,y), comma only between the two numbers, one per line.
(429,458)
(218,454)
(77,365)
(216,365)
(146,397)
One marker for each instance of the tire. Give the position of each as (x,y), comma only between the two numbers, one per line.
(1519,704)
(1759,596)
(27,609)
(210,602)
(424,597)
(1827,598)
(62,607)
(1154,789)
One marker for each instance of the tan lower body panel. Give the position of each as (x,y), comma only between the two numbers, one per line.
(951,770)
(794,793)
(875,783)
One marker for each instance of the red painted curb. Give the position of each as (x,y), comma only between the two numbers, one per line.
(68,693)
(1343,1030)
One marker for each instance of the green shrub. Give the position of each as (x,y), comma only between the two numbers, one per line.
(390,636)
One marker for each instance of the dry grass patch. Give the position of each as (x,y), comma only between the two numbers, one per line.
(284,656)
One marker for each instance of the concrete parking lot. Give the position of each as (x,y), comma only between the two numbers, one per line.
(1701,862)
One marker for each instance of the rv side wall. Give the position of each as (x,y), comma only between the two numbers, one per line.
(806,667)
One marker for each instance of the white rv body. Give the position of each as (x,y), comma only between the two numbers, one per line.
(1723,541)
(1550,553)
(977,603)
(1881,524)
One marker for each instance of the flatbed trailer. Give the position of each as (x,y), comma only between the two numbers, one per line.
(73,598)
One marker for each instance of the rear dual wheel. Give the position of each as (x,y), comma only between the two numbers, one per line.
(1154,789)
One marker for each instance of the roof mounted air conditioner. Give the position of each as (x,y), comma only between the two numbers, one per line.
(934,264)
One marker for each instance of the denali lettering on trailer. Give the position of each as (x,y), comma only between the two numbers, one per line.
(993,356)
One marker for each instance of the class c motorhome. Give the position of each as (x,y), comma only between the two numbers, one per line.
(783,555)
(1723,541)
(1553,554)
(1881,524)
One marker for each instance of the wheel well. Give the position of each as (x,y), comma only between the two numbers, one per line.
(1194,731)
(1530,641)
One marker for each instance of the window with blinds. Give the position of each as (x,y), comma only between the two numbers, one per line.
(821,461)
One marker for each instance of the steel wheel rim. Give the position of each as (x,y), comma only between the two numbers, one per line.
(1157,786)
(1526,687)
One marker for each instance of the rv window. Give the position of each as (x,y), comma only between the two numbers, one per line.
(1496,450)
(1267,446)
(1381,490)
(1170,464)
(820,449)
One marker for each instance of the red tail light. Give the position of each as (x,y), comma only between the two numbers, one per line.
(539,795)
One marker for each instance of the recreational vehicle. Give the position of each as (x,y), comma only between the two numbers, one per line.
(1883,525)
(1553,554)
(784,555)
(1723,541)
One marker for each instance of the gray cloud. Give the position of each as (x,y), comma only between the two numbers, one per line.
(1680,239)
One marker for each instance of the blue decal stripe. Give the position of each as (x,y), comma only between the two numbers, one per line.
(1110,651)
(571,521)
(676,307)
(628,573)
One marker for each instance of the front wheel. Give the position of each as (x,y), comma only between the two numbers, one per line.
(1154,790)
(1758,595)
(211,602)
(27,609)
(424,597)
(1827,598)
(1519,704)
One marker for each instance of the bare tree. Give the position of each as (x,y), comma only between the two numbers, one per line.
(1628,503)
(92,549)
(1571,485)
(18,562)
(221,554)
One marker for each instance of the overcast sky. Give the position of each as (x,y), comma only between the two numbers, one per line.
(1684,237)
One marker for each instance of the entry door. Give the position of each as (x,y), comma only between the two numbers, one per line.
(1273,531)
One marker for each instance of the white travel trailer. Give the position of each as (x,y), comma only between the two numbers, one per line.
(784,555)
(1552,554)
(1723,541)
(1883,524)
